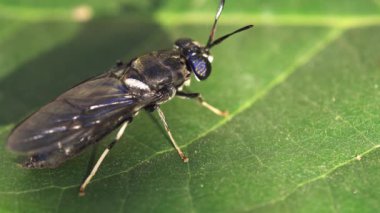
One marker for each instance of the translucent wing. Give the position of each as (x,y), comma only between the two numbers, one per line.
(79,117)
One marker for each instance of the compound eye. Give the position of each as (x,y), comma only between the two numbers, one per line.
(200,66)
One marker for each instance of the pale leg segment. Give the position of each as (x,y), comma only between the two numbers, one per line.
(198,97)
(180,153)
(102,157)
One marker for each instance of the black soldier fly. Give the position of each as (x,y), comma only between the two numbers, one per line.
(86,113)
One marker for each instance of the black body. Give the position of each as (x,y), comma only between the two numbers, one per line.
(86,113)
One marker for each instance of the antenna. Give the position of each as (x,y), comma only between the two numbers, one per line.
(213,29)
(219,40)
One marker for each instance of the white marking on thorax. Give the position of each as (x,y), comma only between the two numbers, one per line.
(131,82)
(67,151)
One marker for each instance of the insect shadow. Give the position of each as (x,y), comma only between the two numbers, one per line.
(92,51)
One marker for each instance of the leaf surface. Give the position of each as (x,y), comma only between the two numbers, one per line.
(303,94)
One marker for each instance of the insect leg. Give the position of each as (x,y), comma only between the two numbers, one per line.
(92,159)
(180,153)
(198,97)
(102,157)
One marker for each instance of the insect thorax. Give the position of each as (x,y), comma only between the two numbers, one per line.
(159,69)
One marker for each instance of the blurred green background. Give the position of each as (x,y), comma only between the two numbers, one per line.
(302,88)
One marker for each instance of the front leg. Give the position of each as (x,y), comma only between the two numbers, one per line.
(198,97)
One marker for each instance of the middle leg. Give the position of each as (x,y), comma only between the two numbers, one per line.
(180,153)
(198,97)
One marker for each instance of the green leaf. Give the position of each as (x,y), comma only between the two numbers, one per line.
(302,88)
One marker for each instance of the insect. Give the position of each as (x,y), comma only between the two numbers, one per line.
(86,113)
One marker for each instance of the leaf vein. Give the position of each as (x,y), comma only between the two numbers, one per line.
(337,116)
(312,180)
(188,188)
